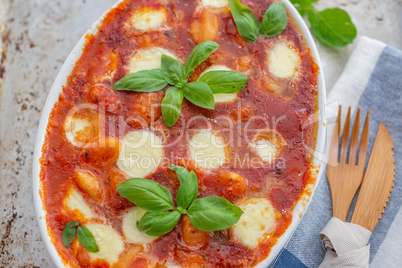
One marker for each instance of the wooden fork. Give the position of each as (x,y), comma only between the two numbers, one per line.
(345,177)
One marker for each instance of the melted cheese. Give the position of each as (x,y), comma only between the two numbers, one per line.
(78,130)
(146,19)
(76,203)
(283,61)
(266,149)
(208,150)
(130,230)
(141,153)
(148,59)
(215,3)
(267,144)
(109,241)
(221,97)
(257,221)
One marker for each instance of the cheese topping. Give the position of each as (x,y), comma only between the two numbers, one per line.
(146,19)
(221,97)
(257,221)
(76,203)
(79,130)
(208,150)
(148,59)
(267,144)
(215,3)
(130,230)
(109,241)
(283,61)
(265,149)
(141,153)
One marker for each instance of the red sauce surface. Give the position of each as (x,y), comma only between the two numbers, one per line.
(104,61)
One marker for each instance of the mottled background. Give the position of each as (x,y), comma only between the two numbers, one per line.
(36,36)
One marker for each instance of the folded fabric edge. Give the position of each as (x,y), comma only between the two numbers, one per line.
(356,74)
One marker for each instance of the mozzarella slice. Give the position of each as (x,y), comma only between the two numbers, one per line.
(146,19)
(283,61)
(221,97)
(141,153)
(267,144)
(76,203)
(148,59)
(208,150)
(215,3)
(78,130)
(265,149)
(130,230)
(257,221)
(109,241)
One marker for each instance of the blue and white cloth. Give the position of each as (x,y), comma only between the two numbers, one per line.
(372,79)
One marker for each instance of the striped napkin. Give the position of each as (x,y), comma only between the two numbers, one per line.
(372,79)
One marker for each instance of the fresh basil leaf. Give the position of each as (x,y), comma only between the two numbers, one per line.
(146,194)
(158,223)
(213,213)
(142,81)
(171,105)
(247,24)
(172,70)
(200,53)
(69,233)
(332,26)
(86,239)
(188,189)
(199,94)
(224,81)
(275,20)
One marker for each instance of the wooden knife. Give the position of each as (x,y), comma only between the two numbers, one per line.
(377,182)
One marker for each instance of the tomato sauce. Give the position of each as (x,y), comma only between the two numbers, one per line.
(103,62)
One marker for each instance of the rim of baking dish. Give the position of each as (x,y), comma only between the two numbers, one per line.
(61,80)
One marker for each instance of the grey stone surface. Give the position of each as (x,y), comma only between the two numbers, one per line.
(35,38)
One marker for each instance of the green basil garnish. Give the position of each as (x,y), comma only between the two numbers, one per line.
(173,72)
(69,233)
(86,239)
(142,81)
(275,20)
(199,54)
(158,223)
(199,94)
(225,81)
(247,24)
(332,26)
(211,213)
(171,105)
(146,194)
(188,189)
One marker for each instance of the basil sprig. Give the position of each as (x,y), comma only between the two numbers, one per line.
(211,213)
(274,22)
(332,26)
(224,81)
(142,81)
(85,237)
(173,73)
(247,24)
